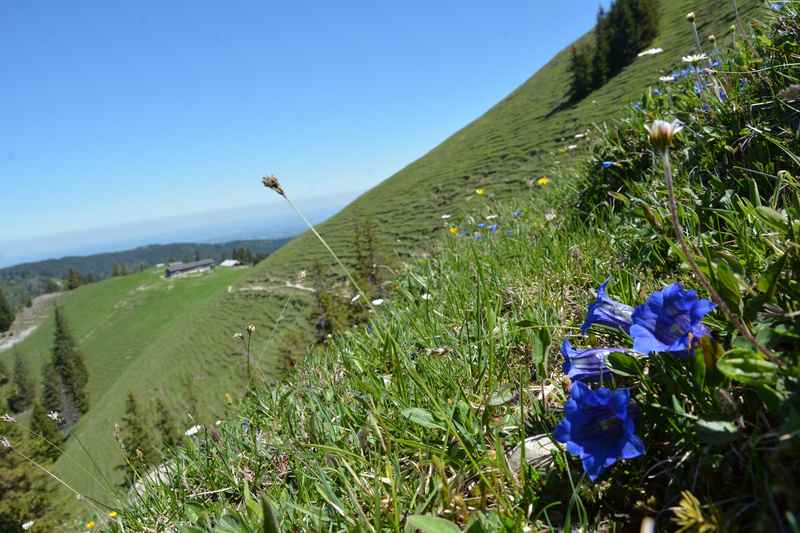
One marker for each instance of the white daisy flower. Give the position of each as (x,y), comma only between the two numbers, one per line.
(666,79)
(377,301)
(194,430)
(694,58)
(446,216)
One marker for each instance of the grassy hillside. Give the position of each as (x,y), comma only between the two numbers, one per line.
(124,326)
(523,136)
(27,280)
(462,407)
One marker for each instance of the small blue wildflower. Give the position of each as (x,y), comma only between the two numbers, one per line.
(671,320)
(586,365)
(715,63)
(657,91)
(598,428)
(517,213)
(478,236)
(699,86)
(637,106)
(607,312)
(608,164)
(723,96)
(493,228)
(777,6)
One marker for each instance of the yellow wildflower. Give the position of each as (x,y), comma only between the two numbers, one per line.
(544,180)
(90,524)
(453,230)
(112,515)
(480,191)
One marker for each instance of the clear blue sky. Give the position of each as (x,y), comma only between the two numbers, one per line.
(114,112)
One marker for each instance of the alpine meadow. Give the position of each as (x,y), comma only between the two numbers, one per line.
(579,312)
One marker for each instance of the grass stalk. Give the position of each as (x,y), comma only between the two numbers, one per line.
(715,297)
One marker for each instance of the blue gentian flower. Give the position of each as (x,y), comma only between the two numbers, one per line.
(493,228)
(715,63)
(478,236)
(608,312)
(608,164)
(586,365)
(637,106)
(482,225)
(657,91)
(598,428)
(671,320)
(777,6)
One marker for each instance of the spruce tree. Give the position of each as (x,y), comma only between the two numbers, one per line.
(23,393)
(68,363)
(51,389)
(25,491)
(5,377)
(45,434)
(580,67)
(137,440)
(165,424)
(6,314)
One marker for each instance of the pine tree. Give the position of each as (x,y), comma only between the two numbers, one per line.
(6,314)
(165,424)
(23,393)
(68,363)
(601,50)
(74,279)
(25,491)
(137,441)
(51,389)
(45,434)
(580,67)
(5,377)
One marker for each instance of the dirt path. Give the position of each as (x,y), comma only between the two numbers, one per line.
(28,320)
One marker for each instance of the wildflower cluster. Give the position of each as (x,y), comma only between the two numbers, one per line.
(599,424)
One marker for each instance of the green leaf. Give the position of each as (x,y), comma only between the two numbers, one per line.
(270,520)
(699,369)
(422,417)
(623,364)
(526,324)
(429,524)
(502,396)
(773,218)
(747,367)
(618,196)
(716,432)
(729,286)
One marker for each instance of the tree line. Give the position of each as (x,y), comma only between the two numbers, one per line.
(25,489)
(619,35)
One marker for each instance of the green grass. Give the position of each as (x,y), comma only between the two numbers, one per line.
(411,423)
(123,327)
(159,341)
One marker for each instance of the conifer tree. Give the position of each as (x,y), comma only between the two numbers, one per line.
(45,434)
(5,377)
(6,313)
(165,424)
(23,394)
(580,67)
(73,376)
(74,279)
(51,389)
(25,491)
(137,441)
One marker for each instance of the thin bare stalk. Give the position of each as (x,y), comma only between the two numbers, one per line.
(91,500)
(697,38)
(272,183)
(738,19)
(715,297)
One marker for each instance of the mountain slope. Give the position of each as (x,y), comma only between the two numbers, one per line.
(524,135)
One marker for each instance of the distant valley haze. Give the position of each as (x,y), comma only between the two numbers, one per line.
(270,220)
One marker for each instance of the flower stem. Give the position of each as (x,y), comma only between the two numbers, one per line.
(697,38)
(676,224)
(330,251)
